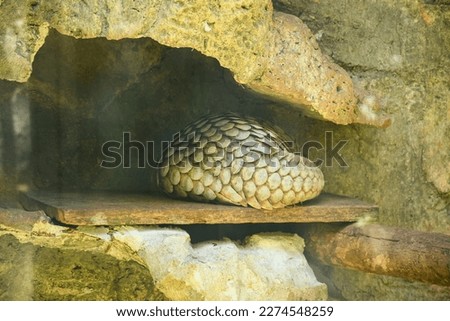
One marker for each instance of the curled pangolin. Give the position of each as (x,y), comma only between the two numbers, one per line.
(230,159)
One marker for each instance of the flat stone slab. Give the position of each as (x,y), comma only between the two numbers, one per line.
(109,208)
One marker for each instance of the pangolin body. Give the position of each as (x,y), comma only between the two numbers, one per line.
(237,160)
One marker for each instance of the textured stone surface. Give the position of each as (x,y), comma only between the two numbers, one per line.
(404,168)
(265,267)
(278,56)
(353,285)
(41,261)
(23,33)
(211,28)
(300,75)
(208,27)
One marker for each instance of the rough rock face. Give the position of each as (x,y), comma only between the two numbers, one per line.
(295,73)
(266,267)
(60,263)
(41,261)
(23,33)
(272,54)
(404,168)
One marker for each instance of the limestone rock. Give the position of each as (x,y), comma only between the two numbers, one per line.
(266,267)
(94,263)
(297,72)
(436,156)
(274,54)
(41,261)
(23,32)
(394,50)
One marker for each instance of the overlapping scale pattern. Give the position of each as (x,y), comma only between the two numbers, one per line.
(230,159)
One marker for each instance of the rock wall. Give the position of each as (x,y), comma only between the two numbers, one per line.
(398,50)
(270,52)
(42,261)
